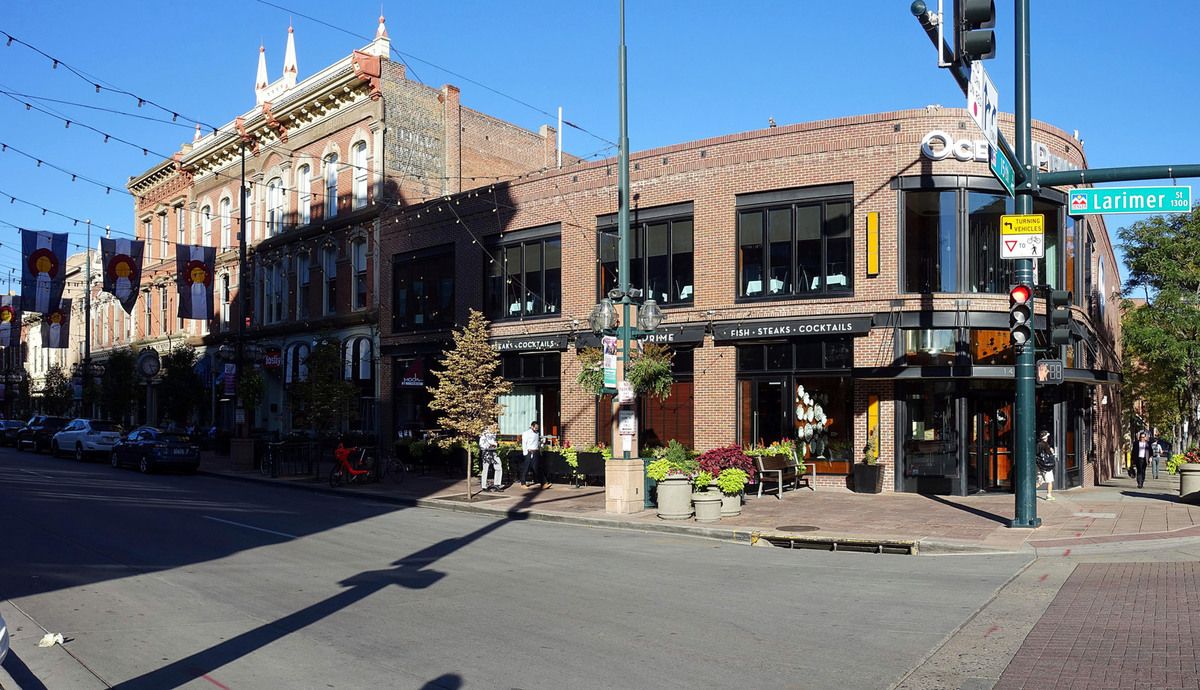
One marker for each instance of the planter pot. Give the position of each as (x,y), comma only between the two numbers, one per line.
(708,506)
(868,479)
(674,498)
(731,504)
(1189,482)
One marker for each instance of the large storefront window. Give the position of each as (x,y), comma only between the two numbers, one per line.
(523,278)
(423,289)
(536,394)
(952,242)
(660,258)
(931,346)
(797,249)
(931,242)
(799,389)
(410,395)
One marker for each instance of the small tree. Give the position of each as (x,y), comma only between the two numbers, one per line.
(468,389)
(325,395)
(181,387)
(119,385)
(57,392)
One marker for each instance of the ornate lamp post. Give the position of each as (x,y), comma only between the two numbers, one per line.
(604,320)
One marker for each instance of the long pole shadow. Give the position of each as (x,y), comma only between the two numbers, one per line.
(411,572)
(969,509)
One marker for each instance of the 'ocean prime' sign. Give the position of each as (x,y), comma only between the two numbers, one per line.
(939,145)
(1129,200)
(787,328)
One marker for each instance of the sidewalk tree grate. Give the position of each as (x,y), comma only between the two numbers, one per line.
(831,543)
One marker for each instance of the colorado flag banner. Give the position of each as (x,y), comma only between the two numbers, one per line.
(44,270)
(10,321)
(195,265)
(122,261)
(56,326)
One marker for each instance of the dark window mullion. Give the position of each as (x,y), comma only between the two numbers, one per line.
(824,259)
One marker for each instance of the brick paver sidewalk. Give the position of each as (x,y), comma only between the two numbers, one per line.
(1118,625)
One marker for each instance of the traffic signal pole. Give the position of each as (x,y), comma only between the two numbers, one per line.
(1025,423)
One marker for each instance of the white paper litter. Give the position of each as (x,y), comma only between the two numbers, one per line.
(50,639)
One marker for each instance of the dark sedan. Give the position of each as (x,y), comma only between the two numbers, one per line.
(36,433)
(149,449)
(8,431)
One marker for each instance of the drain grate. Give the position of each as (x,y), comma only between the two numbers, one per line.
(833,543)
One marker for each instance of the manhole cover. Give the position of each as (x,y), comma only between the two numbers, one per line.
(797,528)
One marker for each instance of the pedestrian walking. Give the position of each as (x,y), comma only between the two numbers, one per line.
(488,460)
(1156,455)
(1141,456)
(531,446)
(1046,458)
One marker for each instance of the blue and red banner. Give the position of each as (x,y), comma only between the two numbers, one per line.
(10,321)
(43,270)
(56,326)
(195,264)
(122,261)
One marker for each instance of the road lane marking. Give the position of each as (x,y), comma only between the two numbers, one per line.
(257,529)
(36,474)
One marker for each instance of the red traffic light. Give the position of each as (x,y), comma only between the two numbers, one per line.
(1020,294)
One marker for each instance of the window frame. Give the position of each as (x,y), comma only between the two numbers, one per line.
(639,224)
(304,194)
(521,241)
(225,212)
(441,257)
(358,268)
(359,184)
(331,174)
(275,206)
(329,280)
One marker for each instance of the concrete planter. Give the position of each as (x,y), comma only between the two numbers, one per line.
(674,498)
(1189,483)
(731,505)
(708,505)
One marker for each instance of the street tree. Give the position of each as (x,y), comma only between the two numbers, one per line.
(181,386)
(119,386)
(57,392)
(325,395)
(469,387)
(1161,340)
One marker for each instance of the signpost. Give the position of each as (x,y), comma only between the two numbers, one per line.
(983,102)
(1129,200)
(1002,169)
(1022,236)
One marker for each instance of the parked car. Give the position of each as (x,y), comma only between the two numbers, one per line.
(8,431)
(148,449)
(86,437)
(36,433)
(3,639)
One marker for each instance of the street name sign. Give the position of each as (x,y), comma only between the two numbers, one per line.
(983,103)
(1022,236)
(1002,168)
(1177,199)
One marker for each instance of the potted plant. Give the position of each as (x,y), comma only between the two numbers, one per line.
(591,461)
(717,462)
(591,370)
(706,499)
(672,471)
(868,474)
(1188,468)
(649,370)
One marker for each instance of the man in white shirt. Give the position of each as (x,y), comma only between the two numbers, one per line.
(1141,456)
(531,446)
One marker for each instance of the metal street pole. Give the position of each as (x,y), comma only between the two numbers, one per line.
(242,297)
(87,324)
(1025,429)
(623,235)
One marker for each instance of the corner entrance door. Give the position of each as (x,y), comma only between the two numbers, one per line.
(990,445)
(765,414)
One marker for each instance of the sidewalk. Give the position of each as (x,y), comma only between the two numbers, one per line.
(1095,517)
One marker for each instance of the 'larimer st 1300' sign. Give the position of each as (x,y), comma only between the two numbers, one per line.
(786,328)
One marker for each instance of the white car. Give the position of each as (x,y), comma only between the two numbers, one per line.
(86,437)
(3,639)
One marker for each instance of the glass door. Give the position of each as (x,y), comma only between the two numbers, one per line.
(990,445)
(765,410)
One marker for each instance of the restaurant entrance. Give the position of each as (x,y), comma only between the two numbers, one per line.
(990,442)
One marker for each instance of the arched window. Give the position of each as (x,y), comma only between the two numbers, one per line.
(358,258)
(225,299)
(302,282)
(296,363)
(304,194)
(226,223)
(206,226)
(358,361)
(274,207)
(329,269)
(360,174)
(331,185)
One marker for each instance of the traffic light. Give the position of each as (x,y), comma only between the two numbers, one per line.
(1059,317)
(1020,314)
(973,37)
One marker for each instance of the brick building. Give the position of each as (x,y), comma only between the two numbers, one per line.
(850,267)
(323,157)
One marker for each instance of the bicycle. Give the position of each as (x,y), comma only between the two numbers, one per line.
(393,470)
(361,470)
(267,465)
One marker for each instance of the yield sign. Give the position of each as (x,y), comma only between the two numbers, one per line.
(1010,245)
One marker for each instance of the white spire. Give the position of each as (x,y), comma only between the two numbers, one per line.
(289,57)
(196,136)
(261,80)
(381,32)
(382,45)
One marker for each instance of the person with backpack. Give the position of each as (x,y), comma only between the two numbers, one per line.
(1046,459)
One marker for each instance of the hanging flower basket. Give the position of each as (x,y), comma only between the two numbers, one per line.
(591,370)
(649,370)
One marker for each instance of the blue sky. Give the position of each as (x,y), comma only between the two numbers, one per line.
(1123,74)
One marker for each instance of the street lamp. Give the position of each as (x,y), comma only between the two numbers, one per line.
(605,320)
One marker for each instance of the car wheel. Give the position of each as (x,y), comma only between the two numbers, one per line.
(145,466)
(79,452)
(113,460)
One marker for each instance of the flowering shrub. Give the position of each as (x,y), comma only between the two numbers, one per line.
(1178,459)
(729,457)
(675,461)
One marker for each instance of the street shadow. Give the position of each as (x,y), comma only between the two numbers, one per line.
(446,681)
(1169,498)
(969,509)
(411,572)
(20,673)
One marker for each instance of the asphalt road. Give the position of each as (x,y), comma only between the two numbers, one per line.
(167,580)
